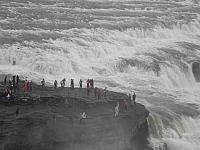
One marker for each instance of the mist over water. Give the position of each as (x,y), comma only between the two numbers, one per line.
(150,47)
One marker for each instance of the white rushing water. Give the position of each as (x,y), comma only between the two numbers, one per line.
(144,46)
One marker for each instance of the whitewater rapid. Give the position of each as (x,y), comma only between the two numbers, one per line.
(144,46)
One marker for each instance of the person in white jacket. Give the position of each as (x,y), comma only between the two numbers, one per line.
(82,116)
(116,110)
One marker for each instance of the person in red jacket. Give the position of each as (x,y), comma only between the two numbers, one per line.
(125,105)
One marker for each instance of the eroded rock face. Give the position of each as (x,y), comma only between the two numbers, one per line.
(56,126)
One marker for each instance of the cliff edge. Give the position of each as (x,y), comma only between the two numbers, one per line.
(49,119)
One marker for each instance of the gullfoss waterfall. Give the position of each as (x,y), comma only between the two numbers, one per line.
(150,47)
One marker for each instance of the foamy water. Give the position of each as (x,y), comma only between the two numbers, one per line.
(145,46)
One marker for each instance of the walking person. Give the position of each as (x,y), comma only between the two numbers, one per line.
(125,105)
(82,117)
(80,83)
(17,112)
(55,84)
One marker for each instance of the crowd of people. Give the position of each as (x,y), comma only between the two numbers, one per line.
(89,84)
(98,92)
(12,86)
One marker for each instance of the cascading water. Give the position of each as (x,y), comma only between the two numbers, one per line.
(151,47)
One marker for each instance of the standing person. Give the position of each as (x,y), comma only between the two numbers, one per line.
(132,102)
(55,84)
(14,83)
(80,83)
(5,81)
(10,84)
(95,91)
(134,97)
(88,83)
(30,86)
(116,110)
(99,93)
(17,82)
(43,82)
(17,79)
(27,85)
(91,83)
(72,83)
(105,91)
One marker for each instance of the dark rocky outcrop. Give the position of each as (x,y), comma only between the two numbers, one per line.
(49,120)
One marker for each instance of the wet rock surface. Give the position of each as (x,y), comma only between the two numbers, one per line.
(49,119)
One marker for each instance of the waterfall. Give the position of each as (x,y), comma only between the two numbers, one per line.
(147,46)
